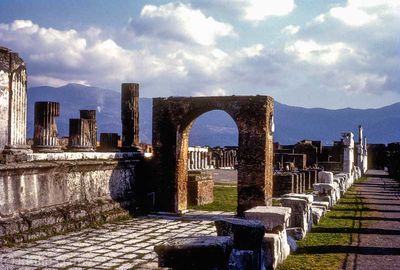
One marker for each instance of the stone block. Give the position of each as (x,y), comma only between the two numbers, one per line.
(301,212)
(317,214)
(200,188)
(325,177)
(324,198)
(272,217)
(322,204)
(246,234)
(196,252)
(271,249)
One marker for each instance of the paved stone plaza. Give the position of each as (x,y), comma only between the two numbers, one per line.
(122,245)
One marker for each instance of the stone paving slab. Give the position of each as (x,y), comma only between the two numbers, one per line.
(121,245)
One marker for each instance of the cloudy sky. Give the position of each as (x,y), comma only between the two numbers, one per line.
(309,53)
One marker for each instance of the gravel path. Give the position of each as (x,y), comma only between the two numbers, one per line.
(376,244)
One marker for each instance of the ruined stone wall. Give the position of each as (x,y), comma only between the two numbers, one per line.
(41,194)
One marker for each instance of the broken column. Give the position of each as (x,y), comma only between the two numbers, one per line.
(130,116)
(80,139)
(348,152)
(13,103)
(90,116)
(45,135)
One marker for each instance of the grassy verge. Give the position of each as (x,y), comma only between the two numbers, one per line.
(325,246)
(225,199)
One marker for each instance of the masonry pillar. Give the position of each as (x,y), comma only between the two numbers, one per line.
(80,139)
(45,135)
(130,116)
(13,104)
(90,116)
(348,152)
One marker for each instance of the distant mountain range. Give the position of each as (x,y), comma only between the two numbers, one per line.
(214,128)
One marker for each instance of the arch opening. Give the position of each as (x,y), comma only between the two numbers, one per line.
(212,162)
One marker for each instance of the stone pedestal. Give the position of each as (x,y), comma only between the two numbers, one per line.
(80,136)
(130,116)
(200,188)
(301,215)
(109,142)
(201,252)
(45,136)
(247,239)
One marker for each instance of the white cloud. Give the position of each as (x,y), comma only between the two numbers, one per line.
(180,22)
(291,29)
(258,10)
(313,52)
(357,13)
(352,16)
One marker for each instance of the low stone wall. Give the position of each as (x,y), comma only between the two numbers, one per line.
(45,194)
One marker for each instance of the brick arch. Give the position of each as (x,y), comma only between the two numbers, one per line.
(172,120)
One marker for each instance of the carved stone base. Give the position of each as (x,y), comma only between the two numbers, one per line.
(46,149)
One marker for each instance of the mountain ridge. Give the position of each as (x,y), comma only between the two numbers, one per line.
(293,123)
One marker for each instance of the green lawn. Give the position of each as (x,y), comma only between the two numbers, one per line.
(323,247)
(225,199)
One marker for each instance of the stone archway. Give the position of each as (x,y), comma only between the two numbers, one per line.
(172,119)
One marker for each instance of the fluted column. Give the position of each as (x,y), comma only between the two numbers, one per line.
(45,135)
(80,139)
(130,116)
(90,116)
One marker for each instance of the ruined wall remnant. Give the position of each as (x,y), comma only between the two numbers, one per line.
(13,102)
(45,134)
(130,116)
(172,120)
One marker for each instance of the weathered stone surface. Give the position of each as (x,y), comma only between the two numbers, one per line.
(172,120)
(201,252)
(47,184)
(325,177)
(283,183)
(246,234)
(308,197)
(80,136)
(272,217)
(90,116)
(13,104)
(322,204)
(301,212)
(45,138)
(245,259)
(271,248)
(130,116)
(296,232)
(109,142)
(200,188)
(317,214)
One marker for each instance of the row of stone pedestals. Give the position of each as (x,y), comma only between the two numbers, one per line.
(266,235)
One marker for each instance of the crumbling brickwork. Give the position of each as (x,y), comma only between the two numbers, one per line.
(172,120)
